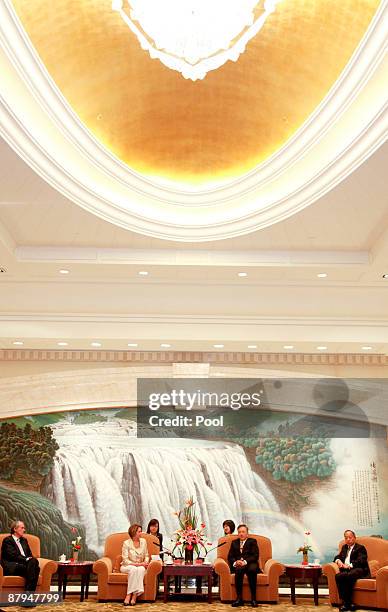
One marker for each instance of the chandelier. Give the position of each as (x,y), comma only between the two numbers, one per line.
(194,36)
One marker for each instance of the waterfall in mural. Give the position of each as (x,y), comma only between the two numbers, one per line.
(105,478)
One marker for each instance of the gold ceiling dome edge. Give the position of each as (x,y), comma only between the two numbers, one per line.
(37,122)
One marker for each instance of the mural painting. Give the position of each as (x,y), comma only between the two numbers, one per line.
(89,472)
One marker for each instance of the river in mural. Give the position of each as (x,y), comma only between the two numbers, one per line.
(105,478)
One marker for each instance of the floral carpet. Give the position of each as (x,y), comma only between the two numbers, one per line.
(74,605)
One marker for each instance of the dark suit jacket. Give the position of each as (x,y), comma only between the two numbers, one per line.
(250,552)
(159,538)
(358,557)
(11,555)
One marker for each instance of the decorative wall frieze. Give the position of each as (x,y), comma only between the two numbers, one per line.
(168,357)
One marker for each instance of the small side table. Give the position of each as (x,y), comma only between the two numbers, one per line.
(193,571)
(78,568)
(304,573)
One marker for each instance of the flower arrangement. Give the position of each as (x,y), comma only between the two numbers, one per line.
(189,538)
(306,548)
(76,546)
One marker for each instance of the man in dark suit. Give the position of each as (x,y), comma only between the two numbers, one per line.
(17,558)
(243,558)
(353,564)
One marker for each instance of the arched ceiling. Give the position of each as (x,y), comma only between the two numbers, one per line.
(164,126)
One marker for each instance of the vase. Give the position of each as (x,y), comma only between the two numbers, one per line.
(305,558)
(189,556)
(75,555)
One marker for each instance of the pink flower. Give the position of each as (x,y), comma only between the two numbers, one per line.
(203,525)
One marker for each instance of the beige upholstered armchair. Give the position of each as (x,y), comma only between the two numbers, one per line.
(112,584)
(267,582)
(48,567)
(369,592)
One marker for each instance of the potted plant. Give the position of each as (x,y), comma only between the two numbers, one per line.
(75,544)
(189,538)
(306,548)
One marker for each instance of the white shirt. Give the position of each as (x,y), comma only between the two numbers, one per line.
(347,559)
(18,544)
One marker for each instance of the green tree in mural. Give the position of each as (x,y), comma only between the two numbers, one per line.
(25,451)
(295,459)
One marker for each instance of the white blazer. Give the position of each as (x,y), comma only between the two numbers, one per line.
(131,554)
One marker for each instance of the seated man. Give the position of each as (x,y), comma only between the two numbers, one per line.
(243,558)
(353,564)
(17,559)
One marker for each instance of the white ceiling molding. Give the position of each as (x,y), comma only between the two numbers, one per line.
(187,257)
(347,127)
(188,319)
(194,332)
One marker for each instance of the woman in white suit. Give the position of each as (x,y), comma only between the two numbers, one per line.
(134,563)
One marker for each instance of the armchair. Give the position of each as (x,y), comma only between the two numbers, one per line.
(267,582)
(112,584)
(47,569)
(369,592)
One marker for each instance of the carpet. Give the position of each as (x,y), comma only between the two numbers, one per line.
(74,605)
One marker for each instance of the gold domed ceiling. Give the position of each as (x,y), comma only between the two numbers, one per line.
(218,128)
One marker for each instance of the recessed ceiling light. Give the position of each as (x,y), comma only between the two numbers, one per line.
(242,274)
(63,271)
(62,343)
(367,348)
(252,345)
(143,273)
(95,344)
(132,344)
(18,343)
(322,275)
(321,348)
(288,346)
(218,345)
(165,345)
(385,275)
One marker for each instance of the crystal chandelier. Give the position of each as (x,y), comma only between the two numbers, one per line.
(194,36)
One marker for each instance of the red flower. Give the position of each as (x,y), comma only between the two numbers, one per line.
(189,547)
